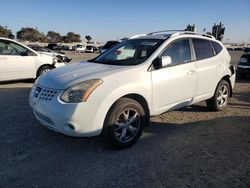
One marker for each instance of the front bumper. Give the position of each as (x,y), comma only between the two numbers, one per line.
(70,119)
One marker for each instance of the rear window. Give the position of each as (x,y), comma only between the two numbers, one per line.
(217,47)
(202,48)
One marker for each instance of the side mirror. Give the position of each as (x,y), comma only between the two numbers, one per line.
(165,61)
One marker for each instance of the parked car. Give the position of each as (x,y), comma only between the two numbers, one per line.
(116,93)
(247,49)
(66,47)
(243,68)
(43,50)
(79,48)
(54,47)
(91,49)
(230,49)
(238,49)
(108,45)
(18,61)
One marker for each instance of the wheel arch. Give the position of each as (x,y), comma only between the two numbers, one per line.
(135,96)
(141,100)
(38,70)
(227,78)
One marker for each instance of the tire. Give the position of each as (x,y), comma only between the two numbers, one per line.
(220,99)
(124,123)
(44,69)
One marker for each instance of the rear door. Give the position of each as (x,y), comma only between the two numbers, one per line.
(16,61)
(209,68)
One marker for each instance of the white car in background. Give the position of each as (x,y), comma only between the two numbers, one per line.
(80,48)
(116,93)
(18,61)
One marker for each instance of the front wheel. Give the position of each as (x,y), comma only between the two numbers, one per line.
(124,123)
(221,96)
(44,70)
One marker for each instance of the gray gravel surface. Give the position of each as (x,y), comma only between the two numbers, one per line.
(190,147)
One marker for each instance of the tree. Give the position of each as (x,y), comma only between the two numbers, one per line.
(30,34)
(72,37)
(54,37)
(88,38)
(7,33)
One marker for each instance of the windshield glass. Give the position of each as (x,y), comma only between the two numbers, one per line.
(130,52)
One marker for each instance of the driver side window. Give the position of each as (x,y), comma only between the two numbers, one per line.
(179,51)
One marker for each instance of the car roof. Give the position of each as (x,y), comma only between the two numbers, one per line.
(3,38)
(172,33)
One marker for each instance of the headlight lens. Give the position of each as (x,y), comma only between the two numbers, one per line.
(81,91)
(55,60)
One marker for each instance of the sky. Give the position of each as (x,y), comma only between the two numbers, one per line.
(114,19)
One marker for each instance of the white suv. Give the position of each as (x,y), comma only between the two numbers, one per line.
(116,93)
(18,61)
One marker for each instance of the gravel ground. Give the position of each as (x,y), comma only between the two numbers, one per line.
(190,147)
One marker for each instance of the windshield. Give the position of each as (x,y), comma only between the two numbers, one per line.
(130,52)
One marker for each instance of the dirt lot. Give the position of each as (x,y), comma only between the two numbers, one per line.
(190,147)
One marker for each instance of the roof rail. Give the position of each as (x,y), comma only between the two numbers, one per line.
(173,33)
(164,31)
(139,35)
(192,33)
(152,33)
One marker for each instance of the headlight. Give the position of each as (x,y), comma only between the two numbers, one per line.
(55,60)
(81,91)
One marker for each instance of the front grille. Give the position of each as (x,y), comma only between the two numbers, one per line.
(45,94)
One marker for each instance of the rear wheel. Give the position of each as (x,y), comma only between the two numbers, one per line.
(221,96)
(124,123)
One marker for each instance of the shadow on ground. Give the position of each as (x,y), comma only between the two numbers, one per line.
(199,154)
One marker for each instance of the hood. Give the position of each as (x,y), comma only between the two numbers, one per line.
(66,76)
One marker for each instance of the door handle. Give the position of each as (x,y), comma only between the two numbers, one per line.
(3,58)
(191,72)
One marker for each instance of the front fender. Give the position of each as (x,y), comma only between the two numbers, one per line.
(113,96)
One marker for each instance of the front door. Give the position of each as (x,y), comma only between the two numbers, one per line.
(174,86)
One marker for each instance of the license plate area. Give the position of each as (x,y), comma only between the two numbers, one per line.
(37,91)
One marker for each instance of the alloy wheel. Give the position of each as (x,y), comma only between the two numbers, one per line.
(222,96)
(127,125)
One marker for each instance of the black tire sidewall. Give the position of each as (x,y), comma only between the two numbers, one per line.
(111,118)
(42,69)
